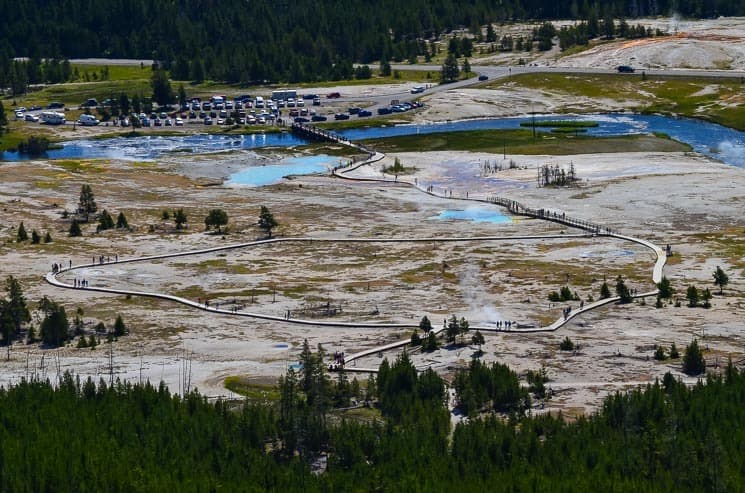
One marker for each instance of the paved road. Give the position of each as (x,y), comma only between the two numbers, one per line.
(494,72)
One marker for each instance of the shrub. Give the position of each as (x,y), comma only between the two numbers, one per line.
(566,344)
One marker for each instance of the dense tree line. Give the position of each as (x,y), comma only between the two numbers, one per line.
(279,40)
(82,436)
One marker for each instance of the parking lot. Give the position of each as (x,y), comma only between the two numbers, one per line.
(280,109)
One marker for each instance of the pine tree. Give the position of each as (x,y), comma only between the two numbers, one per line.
(121,221)
(47,238)
(75,228)
(693,359)
(566,344)
(721,279)
(119,328)
(425,325)
(692,296)
(15,306)
(706,298)
(478,339)
(55,328)
(179,217)
(665,289)
(162,91)
(217,218)
(105,221)
(22,235)
(267,221)
(604,291)
(35,238)
(622,291)
(674,354)
(416,340)
(3,118)
(450,71)
(87,203)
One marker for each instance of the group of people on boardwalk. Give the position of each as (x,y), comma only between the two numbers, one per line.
(80,283)
(56,268)
(505,324)
(105,259)
(339,361)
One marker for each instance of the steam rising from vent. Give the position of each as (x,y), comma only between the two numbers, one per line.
(732,152)
(476,296)
(674,24)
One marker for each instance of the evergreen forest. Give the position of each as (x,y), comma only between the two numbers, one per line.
(81,436)
(258,40)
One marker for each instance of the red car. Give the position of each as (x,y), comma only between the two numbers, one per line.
(333,95)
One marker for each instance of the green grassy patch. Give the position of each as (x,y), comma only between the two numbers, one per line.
(116,72)
(75,93)
(568,130)
(255,392)
(362,414)
(716,99)
(523,142)
(9,141)
(727,244)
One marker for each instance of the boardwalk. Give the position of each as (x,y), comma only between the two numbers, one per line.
(589,229)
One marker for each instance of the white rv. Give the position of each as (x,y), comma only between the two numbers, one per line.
(88,120)
(53,118)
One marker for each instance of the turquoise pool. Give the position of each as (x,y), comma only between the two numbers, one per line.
(475,214)
(257,176)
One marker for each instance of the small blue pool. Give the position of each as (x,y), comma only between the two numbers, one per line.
(475,214)
(257,176)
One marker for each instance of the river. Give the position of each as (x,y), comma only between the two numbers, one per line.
(721,143)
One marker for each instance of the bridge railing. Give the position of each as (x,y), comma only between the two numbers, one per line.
(517,208)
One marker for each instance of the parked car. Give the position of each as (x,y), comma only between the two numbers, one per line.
(384,111)
(169,122)
(208,121)
(333,95)
(341,116)
(31,118)
(301,119)
(316,101)
(55,105)
(318,118)
(88,120)
(364,113)
(310,96)
(90,102)
(625,69)
(354,110)
(158,122)
(483,77)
